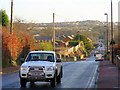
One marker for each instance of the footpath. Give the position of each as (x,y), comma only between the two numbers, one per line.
(109,76)
(9,70)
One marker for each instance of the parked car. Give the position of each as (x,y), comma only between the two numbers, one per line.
(41,66)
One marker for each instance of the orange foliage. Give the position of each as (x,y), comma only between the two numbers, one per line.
(13,45)
(27,40)
(117,46)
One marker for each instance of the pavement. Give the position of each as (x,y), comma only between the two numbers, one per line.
(9,70)
(109,76)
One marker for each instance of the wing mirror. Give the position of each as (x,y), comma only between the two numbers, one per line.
(59,60)
(22,60)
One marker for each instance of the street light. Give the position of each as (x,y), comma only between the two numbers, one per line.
(107,29)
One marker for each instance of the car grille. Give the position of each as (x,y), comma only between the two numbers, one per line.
(36,71)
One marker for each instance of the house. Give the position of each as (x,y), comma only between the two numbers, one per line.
(43,39)
(67,39)
(64,40)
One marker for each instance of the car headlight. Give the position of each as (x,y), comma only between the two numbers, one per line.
(51,68)
(24,68)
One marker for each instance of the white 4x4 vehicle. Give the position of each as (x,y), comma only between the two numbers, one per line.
(41,66)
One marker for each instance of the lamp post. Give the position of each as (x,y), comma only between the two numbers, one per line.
(107,29)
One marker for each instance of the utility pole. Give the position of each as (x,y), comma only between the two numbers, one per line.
(11,19)
(11,29)
(107,29)
(112,41)
(54,31)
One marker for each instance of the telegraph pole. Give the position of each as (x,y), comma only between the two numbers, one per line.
(54,31)
(11,28)
(112,41)
(11,19)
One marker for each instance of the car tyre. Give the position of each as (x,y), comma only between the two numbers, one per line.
(32,82)
(23,82)
(59,78)
(54,81)
(61,72)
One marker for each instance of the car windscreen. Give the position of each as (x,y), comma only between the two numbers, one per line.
(40,57)
(97,53)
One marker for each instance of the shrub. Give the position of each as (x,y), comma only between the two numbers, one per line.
(14,46)
(4,18)
(87,43)
(73,43)
(46,46)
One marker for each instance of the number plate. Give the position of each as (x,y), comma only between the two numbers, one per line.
(36,74)
(36,68)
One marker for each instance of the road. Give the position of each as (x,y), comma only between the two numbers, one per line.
(80,74)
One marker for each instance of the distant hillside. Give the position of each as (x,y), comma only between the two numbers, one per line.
(91,28)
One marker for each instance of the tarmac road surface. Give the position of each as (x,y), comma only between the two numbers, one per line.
(80,74)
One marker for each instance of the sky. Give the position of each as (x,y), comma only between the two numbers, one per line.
(65,10)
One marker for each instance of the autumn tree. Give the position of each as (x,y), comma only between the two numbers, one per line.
(5,51)
(47,46)
(87,43)
(15,46)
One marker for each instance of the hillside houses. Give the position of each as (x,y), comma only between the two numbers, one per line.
(62,46)
(64,40)
(43,39)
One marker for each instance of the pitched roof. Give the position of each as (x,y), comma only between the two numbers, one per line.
(43,37)
(70,37)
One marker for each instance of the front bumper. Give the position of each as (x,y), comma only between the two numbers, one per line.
(37,76)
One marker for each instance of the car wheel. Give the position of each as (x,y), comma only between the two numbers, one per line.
(54,81)
(59,78)
(32,82)
(23,82)
(61,72)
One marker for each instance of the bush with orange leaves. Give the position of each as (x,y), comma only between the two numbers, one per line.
(15,46)
(117,49)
